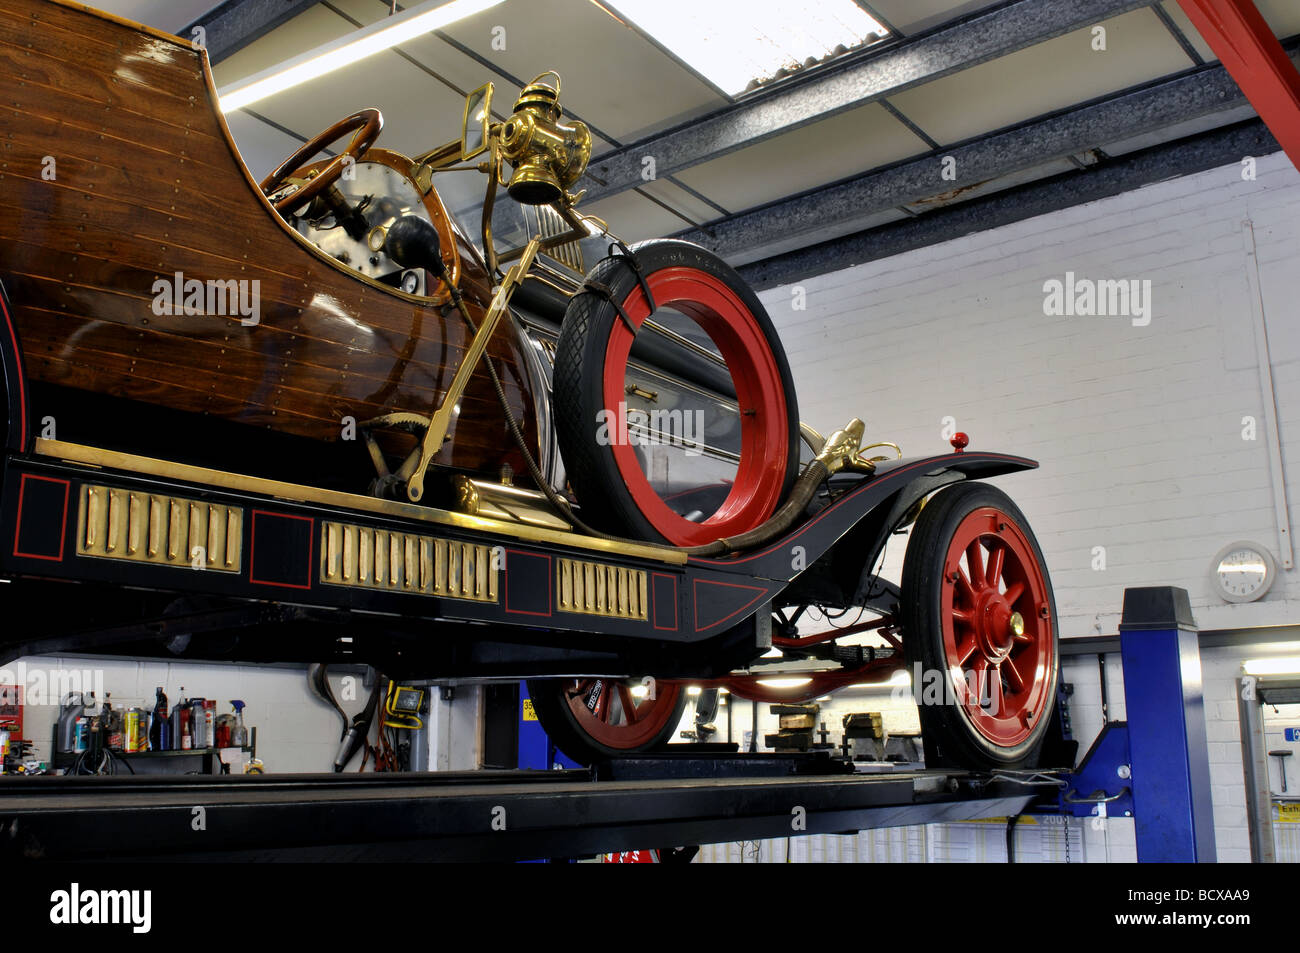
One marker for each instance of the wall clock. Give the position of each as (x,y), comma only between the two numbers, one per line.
(1243,571)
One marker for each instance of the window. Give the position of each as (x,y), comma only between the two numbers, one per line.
(740,44)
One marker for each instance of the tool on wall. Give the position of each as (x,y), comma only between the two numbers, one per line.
(1281,754)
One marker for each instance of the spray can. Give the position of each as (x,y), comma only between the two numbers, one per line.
(135,730)
(210,721)
(81,735)
(111,722)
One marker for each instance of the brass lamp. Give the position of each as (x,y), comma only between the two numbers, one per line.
(548,156)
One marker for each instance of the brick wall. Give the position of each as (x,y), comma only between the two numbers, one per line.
(1138,428)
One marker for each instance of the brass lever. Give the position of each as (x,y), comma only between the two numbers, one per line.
(441,422)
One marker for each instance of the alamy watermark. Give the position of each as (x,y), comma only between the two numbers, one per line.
(43,686)
(683,428)
(231,297)
(1105,297)
(939,686)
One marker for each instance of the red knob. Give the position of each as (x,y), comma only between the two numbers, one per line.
(959,441)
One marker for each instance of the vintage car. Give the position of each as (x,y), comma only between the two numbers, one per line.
(424,413)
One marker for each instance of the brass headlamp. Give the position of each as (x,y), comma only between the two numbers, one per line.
(548,156)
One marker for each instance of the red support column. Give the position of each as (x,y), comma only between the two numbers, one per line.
(1244,43)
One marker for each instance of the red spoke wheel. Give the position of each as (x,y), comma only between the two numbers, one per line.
(592,396)
(979,619)
(594,719)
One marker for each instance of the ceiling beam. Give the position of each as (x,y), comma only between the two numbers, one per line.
(1207,150)
(236,23)
(1131,113)
(830,90)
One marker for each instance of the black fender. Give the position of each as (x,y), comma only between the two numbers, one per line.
(860,520)
(17,407)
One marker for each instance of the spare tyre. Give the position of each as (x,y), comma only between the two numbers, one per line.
(606,455)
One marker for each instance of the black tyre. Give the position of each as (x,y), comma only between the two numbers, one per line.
(595,719)
(592,394)
(976,599)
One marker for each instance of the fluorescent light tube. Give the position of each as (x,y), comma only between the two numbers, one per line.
(349,49)
(1279,665)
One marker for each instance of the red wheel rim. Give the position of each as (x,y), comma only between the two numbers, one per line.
(760,392)
(609,713)
(997,627)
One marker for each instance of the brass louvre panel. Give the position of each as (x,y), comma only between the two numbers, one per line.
(552,225)
(601,589)
(369,558)
(159,529)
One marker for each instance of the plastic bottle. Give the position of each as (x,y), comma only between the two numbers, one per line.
(239,734)
(176,717)
(198,724)
(160,734)
(74,706)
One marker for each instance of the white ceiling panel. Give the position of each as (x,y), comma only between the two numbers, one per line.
(262,147)
(1282,15)
(413,121)
(1176,14)
(312,28)
(813,155)
(453,68)
(168,15)
(692,207)
(612,76)
(913,16)
(634,218)
(1044,78)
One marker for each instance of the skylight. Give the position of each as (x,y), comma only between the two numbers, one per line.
(739,44)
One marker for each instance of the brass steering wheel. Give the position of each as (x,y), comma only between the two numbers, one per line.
(367,124)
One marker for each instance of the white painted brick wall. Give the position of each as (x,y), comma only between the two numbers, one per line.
(296,732)
(1138,429)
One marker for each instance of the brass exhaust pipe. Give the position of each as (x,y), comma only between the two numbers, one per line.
(840,452)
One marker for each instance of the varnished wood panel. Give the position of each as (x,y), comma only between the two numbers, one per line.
(148,184)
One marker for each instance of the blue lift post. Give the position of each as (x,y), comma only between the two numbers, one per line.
(1155,766)
(1169,756)
(536,750)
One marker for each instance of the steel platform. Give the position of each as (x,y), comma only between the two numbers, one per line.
(651,802)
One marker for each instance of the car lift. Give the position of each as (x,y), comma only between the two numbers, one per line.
(1154,767)
(478,815)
